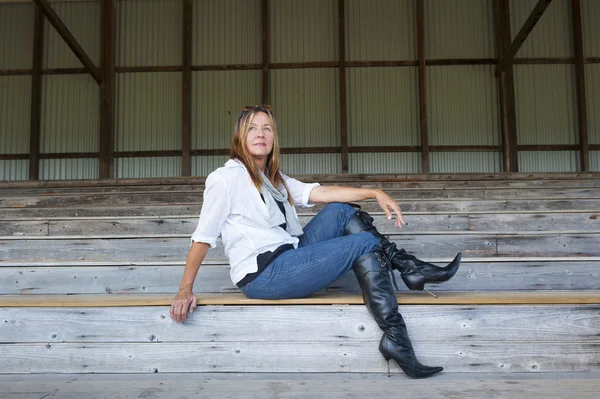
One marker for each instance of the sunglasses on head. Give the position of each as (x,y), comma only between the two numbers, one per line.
(263,107)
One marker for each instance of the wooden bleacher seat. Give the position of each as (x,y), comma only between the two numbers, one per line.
(88,269)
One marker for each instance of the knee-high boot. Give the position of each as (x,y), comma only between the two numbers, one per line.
(372,271)
(414,272)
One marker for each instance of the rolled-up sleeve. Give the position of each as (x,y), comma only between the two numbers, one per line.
(300,191)
(214,212)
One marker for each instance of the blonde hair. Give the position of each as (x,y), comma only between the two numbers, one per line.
(239,149)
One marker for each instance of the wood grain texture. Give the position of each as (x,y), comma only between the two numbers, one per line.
(300,385)
(293,357)
(318,298)
(310,323)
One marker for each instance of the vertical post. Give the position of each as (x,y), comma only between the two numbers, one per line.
(580,87)
(342,76)
(107,89)
(36,95)
(186,91)
(265,52)
(506,89)
(422,87)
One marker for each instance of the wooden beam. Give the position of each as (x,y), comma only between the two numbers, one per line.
(580,88)
(107,89)
(186,91)
(342,84)
(265,51)
(36,95)
(534,17)
(506,90)
(64,32)
(550,297)
(422,87)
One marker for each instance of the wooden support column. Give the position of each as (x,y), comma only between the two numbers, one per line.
(422,87)
(36,95)
(186,91)
(265,51)
(62,30)
(107,89)
(509,55)
(342,84)
(580,88)
(506,90)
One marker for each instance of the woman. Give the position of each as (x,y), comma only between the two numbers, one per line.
(249,202)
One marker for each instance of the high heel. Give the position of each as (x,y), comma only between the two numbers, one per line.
(406,359)
(414,272)
(371,271)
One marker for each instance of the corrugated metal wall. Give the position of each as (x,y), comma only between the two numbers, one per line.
(61,169)
(133,168)
(459,29)
(217,98)
(311,163)
(16,35)
(465,162)
(402,162)
(590,15)
(15,97)
(552,35)
(17,169)
(592,82)
(548,161)
(380,30)
(83,21)
(595,161)
(202,166)
(227,32)
(303,30)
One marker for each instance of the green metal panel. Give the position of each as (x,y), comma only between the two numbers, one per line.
(592,86)
(382,106)
(462,105)
(217,100)
(380,30)
(15,105)
(149,32)
(16,35)
(148,111)
(303,30)
(69,169)
(133,168)
(548,161)
(83,21)
(227,32)
(292,164)
(459,29)
(545,104)
(14,169)
(590,15)
(306,105)
(389,162)
(70,117)
(204,165)
(552,35)
(465,162)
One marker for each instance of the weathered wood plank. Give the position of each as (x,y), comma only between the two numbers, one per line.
(156,279)
(24,228)
(347,356)
(429,207)
(549,245)
(175,249)
(299,324)
(513,223)
(300,385)
(318,298)
(103,199)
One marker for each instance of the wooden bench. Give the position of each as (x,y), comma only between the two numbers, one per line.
(88,269)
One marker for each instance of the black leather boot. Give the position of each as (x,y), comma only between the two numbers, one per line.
(372,273)
(414,272)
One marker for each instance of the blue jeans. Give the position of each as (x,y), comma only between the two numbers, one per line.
(323,256)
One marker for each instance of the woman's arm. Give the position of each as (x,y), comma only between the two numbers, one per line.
(185,300)
(327,194)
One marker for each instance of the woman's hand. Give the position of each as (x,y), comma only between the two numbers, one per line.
(389,206)
(183,301)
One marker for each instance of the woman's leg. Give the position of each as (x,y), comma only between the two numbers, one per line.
(300,272)
(329,223)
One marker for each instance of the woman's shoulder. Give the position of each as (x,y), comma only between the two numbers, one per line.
(228,173)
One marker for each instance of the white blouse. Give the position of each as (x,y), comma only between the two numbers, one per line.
(232,208)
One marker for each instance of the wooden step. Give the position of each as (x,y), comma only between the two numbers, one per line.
(320,298)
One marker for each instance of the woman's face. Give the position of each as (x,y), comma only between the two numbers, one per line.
(259,141)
